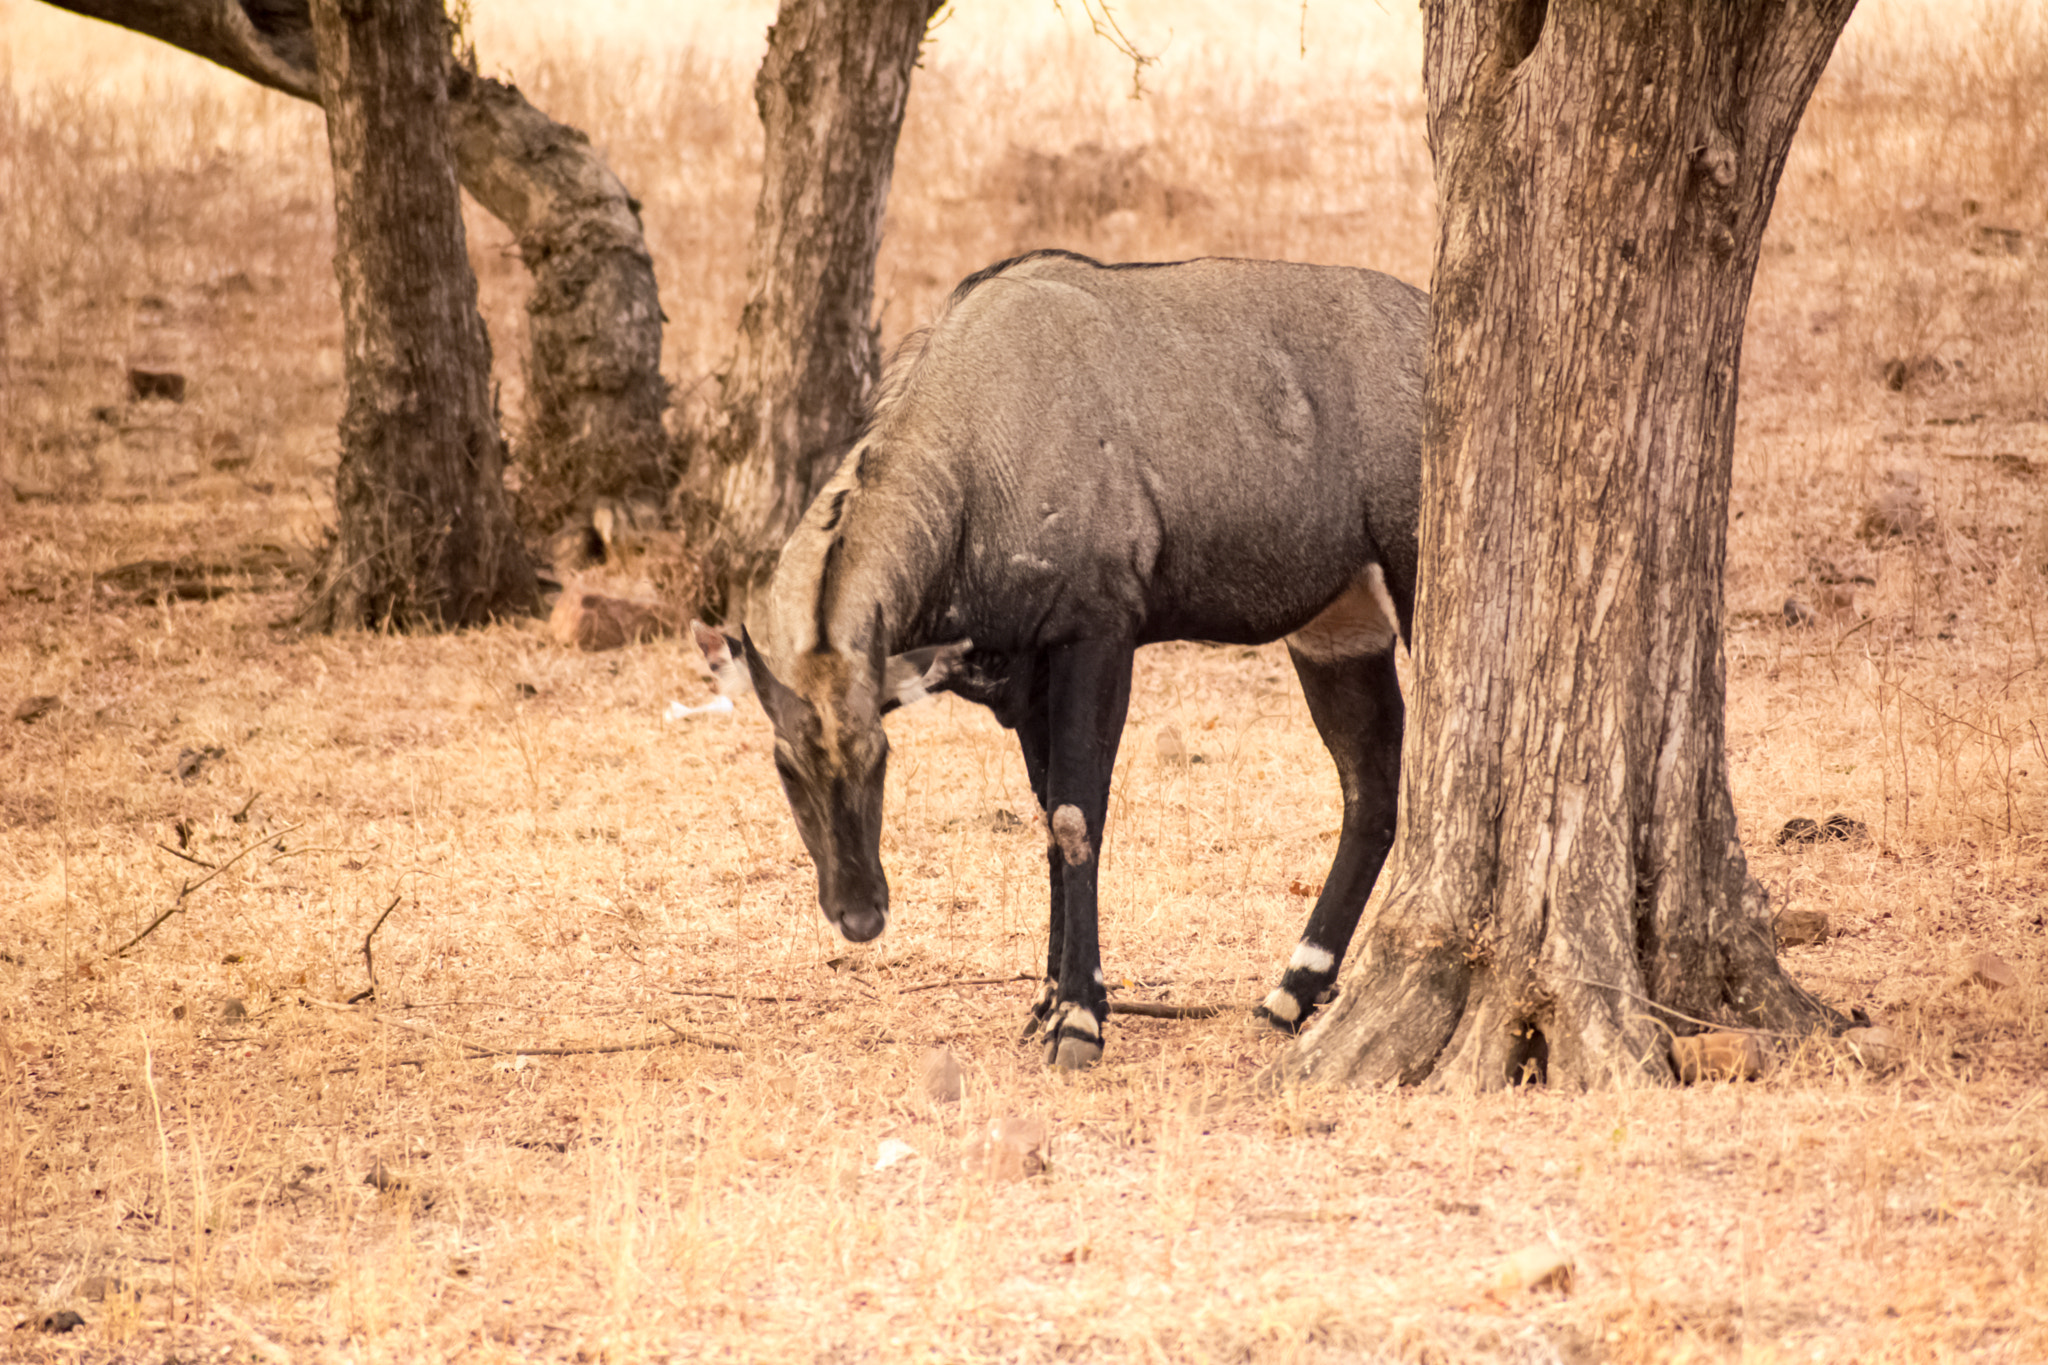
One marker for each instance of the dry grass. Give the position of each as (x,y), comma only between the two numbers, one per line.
(567,869)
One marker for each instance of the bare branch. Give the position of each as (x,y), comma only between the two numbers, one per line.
(970,981)
(271,43)
(1102,19)
(180,853)
(369,963)
(189,887)
(1147,1009)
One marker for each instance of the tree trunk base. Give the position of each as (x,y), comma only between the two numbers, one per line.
(1449,1019)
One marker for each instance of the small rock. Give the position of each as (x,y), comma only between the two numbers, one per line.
(1801,830)
(1796,928)
(1898,511)
(1717,1057)
(34,709)
(387,1181)
(63,1320)
(1011,1148)
(1004,822)
(942,1075)
(1798,830)
(1173,750)
(892,1150)
(100,1288)
(144,385)
(1798,613)
(234,1011)
(1876,1046)
(1992,972)
(192,761)
(1840,826)
(592,621)
(1539,1265)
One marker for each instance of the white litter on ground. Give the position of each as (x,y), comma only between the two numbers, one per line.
(717,706)
(890,1151)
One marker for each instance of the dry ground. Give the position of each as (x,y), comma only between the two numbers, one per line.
(194,1121)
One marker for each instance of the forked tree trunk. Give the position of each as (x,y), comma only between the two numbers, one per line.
(595,394)
(1567,882)
(425,534)
(831,93)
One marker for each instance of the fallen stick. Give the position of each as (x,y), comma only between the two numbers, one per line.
(968,981)
(370,963)
(1146,1009)
(189,887)
(479,1053)
(180,853)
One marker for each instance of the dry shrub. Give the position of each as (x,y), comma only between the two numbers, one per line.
(565,871)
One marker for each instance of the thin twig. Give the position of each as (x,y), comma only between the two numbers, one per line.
(477,1053)
(180,853)
(1147,1009)
(701,1039)
(728,995)
(969,981)
(189,887)
(370,963)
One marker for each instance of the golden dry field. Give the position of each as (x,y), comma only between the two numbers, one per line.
(621,1096)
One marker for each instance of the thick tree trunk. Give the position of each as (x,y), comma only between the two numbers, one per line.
(1568,887)
(831,94)
(425,535)
(595,393)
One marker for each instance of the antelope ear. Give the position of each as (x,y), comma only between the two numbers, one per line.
(776,699)
(912,677)
(721,653)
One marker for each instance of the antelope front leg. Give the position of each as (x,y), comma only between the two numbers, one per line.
(1034,735)
(1088,693)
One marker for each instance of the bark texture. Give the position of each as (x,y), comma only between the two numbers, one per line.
(425,535)
(595,394)
(831,94)
(1569,889)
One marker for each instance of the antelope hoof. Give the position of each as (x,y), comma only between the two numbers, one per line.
(1073,1038)
(1040,1011)
(1282,1011)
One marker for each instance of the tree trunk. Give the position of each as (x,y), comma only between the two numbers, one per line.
(1568,887)
(831,94)
(595,394)
(425,535)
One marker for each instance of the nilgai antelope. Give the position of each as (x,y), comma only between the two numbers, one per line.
(1074,460)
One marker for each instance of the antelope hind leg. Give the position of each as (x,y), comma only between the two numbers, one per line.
(1356,703)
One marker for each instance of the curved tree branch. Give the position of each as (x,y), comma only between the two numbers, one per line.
(595,392)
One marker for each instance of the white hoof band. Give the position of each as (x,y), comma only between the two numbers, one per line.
(1308,957)
(1283,1006)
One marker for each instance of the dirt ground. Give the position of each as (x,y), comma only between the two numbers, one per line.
(621,1095)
